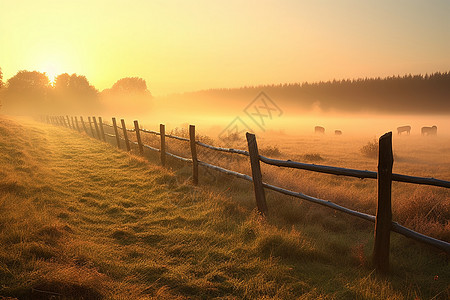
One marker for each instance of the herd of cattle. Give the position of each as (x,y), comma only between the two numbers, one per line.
(407,129)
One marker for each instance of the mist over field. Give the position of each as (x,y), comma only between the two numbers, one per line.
(211,149)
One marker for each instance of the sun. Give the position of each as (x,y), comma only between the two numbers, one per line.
(51,69)
(51,72)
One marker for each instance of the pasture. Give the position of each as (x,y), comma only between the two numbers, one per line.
(421,208)
(80,218)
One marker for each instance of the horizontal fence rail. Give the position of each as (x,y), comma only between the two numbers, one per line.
(420,180)
(321,202)
(319,168)
(229,150)
(177,138)
(380,255)
(150,131)
(152,148)
(226,171)
(352,173)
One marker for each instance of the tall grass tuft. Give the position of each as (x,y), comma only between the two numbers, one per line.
(370,149)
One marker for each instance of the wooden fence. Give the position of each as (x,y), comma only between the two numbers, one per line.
(383,218)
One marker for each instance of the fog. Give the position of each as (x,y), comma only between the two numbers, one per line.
(289,120)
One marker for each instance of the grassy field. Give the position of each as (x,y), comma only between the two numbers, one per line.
(81,219)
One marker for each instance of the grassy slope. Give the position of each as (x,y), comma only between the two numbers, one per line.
(79,218)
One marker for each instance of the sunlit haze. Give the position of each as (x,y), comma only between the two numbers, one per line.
(224,149)
(179,46)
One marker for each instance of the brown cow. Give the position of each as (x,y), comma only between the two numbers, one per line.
(319,129)
(406,129)
(429,130)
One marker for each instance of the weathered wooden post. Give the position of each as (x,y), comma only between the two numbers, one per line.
(194,154)
(256,174)
(97,130)
(383,219)
(84,125)
(102,131)
(64,121)
(90,125)
(76,122)
(68,121)
(138,137)
(73,122)
(125,135)
(162,131)
(116,132)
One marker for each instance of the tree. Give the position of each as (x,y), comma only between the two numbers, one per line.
(26,92)
(128,95)
(74,93)
(62,81)
(130,85)
(1,86)
(1,78)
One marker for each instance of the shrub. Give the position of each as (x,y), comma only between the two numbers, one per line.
(370,149)
(270,151)
(312,157)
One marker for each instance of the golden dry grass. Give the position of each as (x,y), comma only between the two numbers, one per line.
(80,219)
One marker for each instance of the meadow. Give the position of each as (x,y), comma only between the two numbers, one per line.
(80,218)
(422,208)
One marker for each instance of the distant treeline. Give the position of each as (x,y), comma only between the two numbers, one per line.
(31,92)
(396,94)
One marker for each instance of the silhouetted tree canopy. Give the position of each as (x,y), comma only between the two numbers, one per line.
(1,86)
(30,92)
(74,93)
(130,85)
(128,95)
(26,91)
(1,78)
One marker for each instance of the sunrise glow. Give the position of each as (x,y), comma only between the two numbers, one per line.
(181,46)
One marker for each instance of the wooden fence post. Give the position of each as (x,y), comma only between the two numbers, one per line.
(125,135)
(63,121)
(76,122)
(73,122)
(256,174)
(68,122)
(102,132)
(96,128)
(383,219)
(138,137)
(194,154)
(90,125)
(116,132)
(162,131)
(84,125)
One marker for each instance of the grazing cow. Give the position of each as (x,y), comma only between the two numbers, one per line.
(319,129)
(429,130)
(406,129)
(337,132)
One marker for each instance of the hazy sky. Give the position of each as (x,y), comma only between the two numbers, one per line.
(189,45)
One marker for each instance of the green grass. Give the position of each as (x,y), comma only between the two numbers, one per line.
(81,219)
